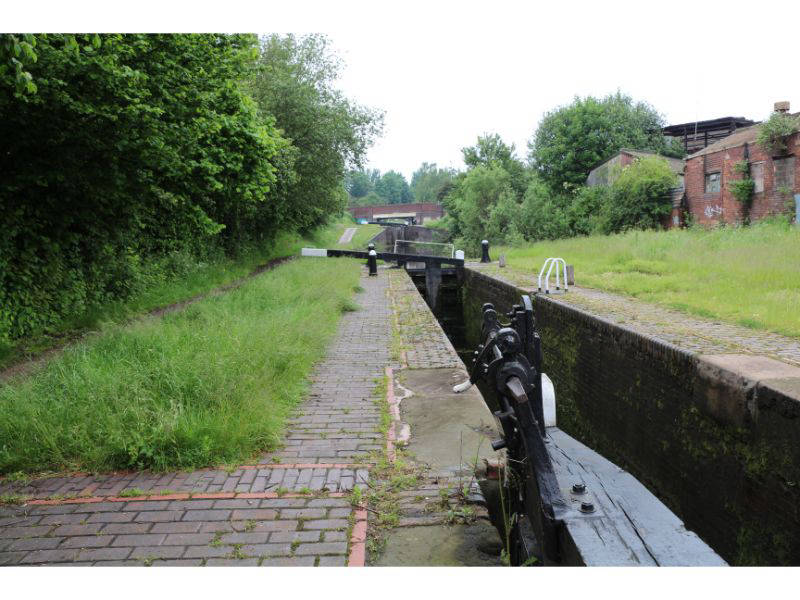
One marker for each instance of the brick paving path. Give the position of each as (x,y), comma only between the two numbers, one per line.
(696,334)
(252,515)
(269,532)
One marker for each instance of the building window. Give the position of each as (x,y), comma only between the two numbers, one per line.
(757,175)
(784,173)
(712,183)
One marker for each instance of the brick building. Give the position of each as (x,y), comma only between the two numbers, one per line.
(606,172)
(420,212)
(708,198)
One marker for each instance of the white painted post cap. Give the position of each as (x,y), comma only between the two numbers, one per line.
(314,252)
(460,254)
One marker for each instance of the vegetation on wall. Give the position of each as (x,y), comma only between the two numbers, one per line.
(743,189)
(772,133)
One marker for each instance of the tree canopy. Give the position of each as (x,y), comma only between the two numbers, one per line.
(571,140)
(121,151)
(294,83)
(393,188)
(429,183)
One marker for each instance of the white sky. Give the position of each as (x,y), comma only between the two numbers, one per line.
(446,72)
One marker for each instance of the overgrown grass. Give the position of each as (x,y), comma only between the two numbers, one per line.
(210,384)
(190,280)
(745,275)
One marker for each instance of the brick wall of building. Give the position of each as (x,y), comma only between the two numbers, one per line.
(713,208)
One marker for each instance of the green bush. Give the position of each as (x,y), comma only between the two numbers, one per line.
(585,210)
(640,196)
(544,214)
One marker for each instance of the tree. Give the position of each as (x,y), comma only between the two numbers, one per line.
(393,188)
(294,83)
(358,183)
(475,199)
(490,149)
(572,140)
(428,181)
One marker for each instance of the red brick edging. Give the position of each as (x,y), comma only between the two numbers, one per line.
(187,496)
(358,539)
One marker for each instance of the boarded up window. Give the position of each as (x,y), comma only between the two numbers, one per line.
(712,183)
(757,175)
(784,173)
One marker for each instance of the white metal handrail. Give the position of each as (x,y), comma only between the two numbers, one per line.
(549,264)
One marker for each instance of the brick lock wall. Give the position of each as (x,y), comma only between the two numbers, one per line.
(711,209)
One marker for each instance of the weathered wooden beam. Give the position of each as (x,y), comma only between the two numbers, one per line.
(628,525)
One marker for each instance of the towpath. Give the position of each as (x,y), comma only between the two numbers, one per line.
(296,505)
(696,334)
(347,235)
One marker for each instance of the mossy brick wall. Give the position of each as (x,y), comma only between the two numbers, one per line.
(722,453)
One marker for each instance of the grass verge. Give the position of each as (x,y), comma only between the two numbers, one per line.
(210,384)
(329,237)
(194,278)
(746,275)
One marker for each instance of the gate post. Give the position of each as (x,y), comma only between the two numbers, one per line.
(485,248)
(372,262)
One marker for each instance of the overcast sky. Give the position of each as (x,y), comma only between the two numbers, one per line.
(446,72)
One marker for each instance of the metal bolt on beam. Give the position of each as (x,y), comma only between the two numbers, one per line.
(587,507)
(579,488)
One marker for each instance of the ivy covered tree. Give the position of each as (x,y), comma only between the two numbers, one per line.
(573,139)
